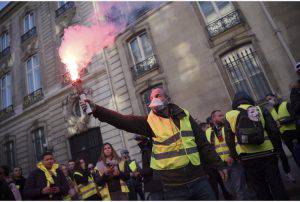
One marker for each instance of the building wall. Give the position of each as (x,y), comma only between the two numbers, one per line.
(189,69)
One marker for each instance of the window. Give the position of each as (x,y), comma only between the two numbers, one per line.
(9,151)
(33,74)
(61,3)
(146,97)
(213,10)
(140,48)
(4,41)
(39,143)
(245,72)
(29,22)
(6,91)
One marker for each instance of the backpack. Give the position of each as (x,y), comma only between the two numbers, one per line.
(249,129)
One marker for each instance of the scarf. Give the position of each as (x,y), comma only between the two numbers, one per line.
(48,175)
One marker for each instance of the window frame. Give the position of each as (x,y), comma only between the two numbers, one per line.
(33,73)
(5,35)
(31,19)
(11,153)
(61,5)
(241,67)
(140,46)
(216,10)
(7,87)
(42,140)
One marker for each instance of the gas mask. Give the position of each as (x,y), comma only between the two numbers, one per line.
(157,105)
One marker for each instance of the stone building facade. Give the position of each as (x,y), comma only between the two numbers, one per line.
(200,52)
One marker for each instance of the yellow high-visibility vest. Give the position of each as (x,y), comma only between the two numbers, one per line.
(172,147)
(220,147)
(86,191)
(104,191)
(133,166)
(231,117)
(282,114)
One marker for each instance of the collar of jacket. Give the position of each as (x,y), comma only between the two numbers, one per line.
(175,112)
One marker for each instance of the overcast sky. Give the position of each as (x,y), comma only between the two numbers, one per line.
(3,4)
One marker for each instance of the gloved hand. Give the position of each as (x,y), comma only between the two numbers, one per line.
(84,106)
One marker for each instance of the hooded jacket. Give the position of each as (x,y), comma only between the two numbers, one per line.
(270,125)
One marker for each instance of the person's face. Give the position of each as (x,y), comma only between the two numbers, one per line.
(48,161)
(17,172)
(158,93)
(90,167)
(272,99)
(107,150)
(64,170)
(218,117)
(71,165)
(82,163)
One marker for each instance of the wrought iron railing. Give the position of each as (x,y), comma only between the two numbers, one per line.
(33,98)
(6,112)
(29,34)
(222,24)
(64,8)
(143,67)
(5,52)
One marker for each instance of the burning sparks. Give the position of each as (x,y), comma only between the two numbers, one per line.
(72,68)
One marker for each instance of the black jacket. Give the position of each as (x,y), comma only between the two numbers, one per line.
(139,125)
(295,99)
(270,125)
(5,192)
(150,185)
(20,182)
(36,182)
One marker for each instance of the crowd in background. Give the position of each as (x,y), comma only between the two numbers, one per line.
(251,172)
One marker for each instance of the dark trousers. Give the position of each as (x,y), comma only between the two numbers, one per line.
(264,176)
(215,180)
(134,191)
(284,161)
(288,137)
(199,189)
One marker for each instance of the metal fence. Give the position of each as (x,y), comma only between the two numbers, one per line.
(222,24)
(29,34)
(33,98)
(143,67)
(65,7)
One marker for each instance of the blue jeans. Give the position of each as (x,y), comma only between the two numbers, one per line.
(199,189)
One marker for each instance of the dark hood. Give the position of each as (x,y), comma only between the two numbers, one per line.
(242,98)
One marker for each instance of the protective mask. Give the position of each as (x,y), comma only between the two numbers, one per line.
(157,105)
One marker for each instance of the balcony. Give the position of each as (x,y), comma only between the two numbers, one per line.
(143,67)
(6,112)
(64,8)
(5,52)
(33,98)
(222,24)
(29,34)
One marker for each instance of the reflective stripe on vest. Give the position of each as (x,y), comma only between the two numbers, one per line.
(282,114)
(133,166)
(104,191)
(220,147)
(86,191)
(172,147)
(231,117)
(67,198)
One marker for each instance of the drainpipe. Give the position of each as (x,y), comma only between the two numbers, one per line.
(279,35)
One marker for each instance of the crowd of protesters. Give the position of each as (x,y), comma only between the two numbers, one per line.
(236,152)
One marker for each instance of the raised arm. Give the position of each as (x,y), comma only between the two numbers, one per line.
(129,123)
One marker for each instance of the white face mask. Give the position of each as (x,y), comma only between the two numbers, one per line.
(157,105)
